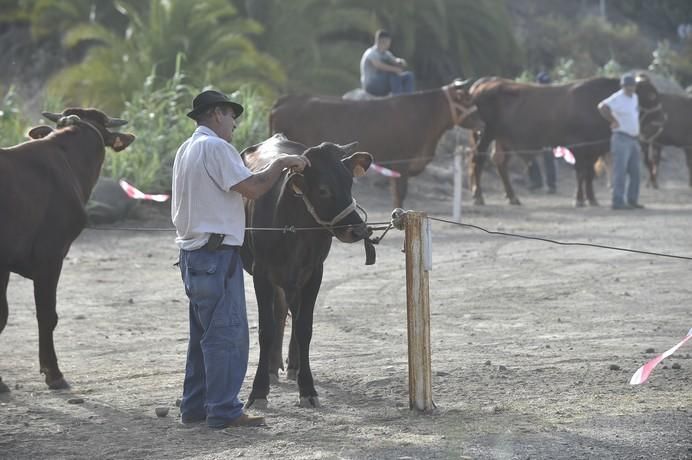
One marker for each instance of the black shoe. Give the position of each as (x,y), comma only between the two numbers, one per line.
(636,206)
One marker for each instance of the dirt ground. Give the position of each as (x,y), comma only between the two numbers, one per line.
(523,338)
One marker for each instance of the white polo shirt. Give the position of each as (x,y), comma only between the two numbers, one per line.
(625,110)
(205,169)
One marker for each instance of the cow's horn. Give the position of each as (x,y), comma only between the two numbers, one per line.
(115,122)
(54,117)
(349,148)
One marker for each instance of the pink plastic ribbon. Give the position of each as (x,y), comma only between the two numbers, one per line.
(643,372)
(564,152)
(384,171)
(135,194)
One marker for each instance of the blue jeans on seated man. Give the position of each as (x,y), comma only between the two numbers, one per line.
(626,159)
(390,82)
(217,353)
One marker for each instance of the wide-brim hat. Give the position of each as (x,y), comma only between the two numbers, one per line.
(210,98)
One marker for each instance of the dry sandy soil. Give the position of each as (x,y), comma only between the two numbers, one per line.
(523,337)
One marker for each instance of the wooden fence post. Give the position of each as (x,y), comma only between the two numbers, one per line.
(458,182)
(418,260)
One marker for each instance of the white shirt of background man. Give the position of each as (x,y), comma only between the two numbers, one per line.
(625,110)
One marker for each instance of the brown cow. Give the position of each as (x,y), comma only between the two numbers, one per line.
(677,131)
(530,118)
(401,132)
(44,186)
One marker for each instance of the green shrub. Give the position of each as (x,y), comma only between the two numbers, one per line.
(157,116)
(13,124)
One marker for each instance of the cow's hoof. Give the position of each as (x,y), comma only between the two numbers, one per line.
(309,402)
(579,203)
(593,203)
(292,374)
(514,201)
(58,384)
(259,403)
(478,201)
(4,388)
(273,378)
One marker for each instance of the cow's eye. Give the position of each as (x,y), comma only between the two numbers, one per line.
(325,192)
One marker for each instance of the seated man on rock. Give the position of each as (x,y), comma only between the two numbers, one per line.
(382,73)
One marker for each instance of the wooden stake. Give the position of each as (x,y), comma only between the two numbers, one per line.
(458,182)
(418,312)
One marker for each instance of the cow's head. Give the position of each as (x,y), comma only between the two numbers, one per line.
(326,187)
(651,114)
(92,118)
(462,108)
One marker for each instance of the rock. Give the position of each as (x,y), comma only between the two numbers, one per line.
(131,301)
(547,345)
(441,373)
(650,350)
(664,367)
(614,367)
(676,366)
(75,401)
(161,411)
(502,368)
(488,363)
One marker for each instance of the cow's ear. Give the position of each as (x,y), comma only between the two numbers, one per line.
(358,163)
(39,132)
(120,141)
(296,184)
(349,148)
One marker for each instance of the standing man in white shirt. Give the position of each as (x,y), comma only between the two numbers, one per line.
(209,182)
(622,111)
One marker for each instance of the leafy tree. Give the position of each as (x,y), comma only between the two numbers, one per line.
(211,36)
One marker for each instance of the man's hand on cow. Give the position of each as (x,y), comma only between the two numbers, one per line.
(401,62)
(295,162)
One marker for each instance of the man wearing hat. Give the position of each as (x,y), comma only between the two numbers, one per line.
(621,109)
(209,182)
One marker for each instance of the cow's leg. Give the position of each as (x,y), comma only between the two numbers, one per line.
(4,311)
(501,160)
(482,143)
(589,175)
(45,287)
(276,355)
(579,168)
(688,155)
(293,355)
(264,290)
(398,188)
(652,158)
(303,333)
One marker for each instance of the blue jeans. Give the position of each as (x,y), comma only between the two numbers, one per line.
(217,353)
(390,82)
(626,159)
